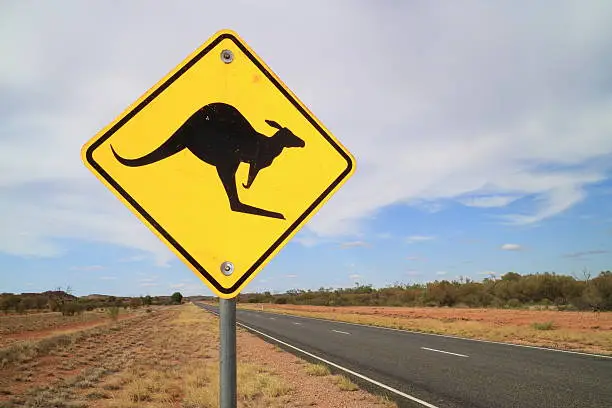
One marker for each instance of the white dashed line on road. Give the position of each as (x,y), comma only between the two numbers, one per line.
(445,352)
(341,332)
(356,374)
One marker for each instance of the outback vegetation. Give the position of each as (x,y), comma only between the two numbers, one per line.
(63,301)
(158,356)
(548,310)
(511,290)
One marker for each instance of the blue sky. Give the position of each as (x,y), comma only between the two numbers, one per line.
(482,133)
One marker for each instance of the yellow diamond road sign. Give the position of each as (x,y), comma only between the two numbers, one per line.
(221,161)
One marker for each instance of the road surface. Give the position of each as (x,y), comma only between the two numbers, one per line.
(420,370)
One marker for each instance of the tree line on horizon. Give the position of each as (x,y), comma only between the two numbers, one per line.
(511,290)
(63,301)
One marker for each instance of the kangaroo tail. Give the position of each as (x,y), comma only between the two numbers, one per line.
(173,145)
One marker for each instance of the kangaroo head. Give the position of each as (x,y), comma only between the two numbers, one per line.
(285,136)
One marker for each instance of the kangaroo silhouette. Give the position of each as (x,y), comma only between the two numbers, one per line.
(218,134)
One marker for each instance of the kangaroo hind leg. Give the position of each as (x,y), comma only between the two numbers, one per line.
(227,174)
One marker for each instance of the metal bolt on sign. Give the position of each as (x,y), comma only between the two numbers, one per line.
(227,56)
(227,268)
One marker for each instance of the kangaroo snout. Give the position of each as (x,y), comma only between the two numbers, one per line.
(291,140)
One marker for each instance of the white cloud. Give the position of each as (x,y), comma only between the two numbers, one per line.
(353,244)
(488,201)
(441,273)
(290,276)
(511,247)
(419,238)
(488,273)
(354,276)
(514,107)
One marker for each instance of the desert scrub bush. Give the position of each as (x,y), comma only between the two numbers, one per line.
(27,350)
(113,312)
(317,369)
(514,303)
(344,383)
(72,308)
(543,326)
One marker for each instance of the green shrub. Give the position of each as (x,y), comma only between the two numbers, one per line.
(71,308)
(544,326)
(113,312)
(514,303)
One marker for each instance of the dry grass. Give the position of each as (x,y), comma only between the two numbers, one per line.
(67,374)
(344,383)
(24,351)
(183,367)
(18,323)
(37,326)
(168,358)
(543,326)
(496,326)
(317,369)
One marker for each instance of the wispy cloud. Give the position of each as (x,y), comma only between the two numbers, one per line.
(488,201)
(413,258)
(488,273)
(419,238)
(353,244)
(290,276)
(354,276)
(511,247)
(107,278)
(582,254)
(441,273)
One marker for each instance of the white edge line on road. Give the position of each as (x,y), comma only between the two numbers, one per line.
(446,352)
(444,335)
(341,332)
(410,397)
(398,392)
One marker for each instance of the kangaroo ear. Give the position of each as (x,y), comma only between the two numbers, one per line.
(273,124)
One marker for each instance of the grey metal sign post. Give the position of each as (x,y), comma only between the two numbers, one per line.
(227,347)
(227,353)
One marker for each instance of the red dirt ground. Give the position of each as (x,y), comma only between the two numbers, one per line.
(8,339)
(567,320)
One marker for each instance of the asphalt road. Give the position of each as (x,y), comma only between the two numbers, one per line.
(445,372)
